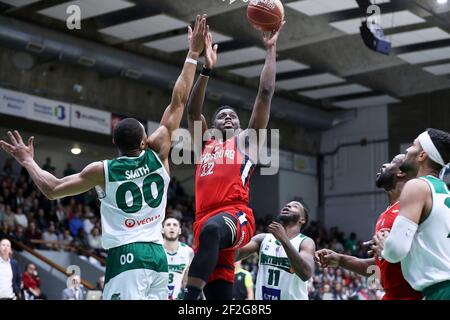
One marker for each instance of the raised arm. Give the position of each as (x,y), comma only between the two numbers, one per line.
(160,140)
(251,247)
(414,201)
(261,109)
(197,98)
(50,186)
(301,259)
(327,258)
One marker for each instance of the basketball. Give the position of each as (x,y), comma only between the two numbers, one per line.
(265,15)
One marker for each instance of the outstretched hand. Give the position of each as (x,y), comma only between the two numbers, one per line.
(197,36)
(378,241)
(210,50)
(18,149)
(270,38)
(326,258)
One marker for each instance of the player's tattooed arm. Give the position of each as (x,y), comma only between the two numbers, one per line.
(261,109)
(48,184)
(327,258)
(197,98)
(160,140)
(250,248)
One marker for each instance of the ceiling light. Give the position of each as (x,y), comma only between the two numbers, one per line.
(75,150)
(442,1)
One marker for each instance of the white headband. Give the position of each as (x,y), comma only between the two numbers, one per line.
(429,147)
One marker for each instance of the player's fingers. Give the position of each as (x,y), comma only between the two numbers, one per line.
(196,24)
(6,146)
(18,136)
(368,243)
(189,32)
(12,138)
(201,24)
(204,24)
(216,46)
(30,141)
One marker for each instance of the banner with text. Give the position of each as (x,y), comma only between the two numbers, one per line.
(13,103)
(49,111)
(90,119)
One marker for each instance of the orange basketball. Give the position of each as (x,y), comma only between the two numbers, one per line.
(265,15)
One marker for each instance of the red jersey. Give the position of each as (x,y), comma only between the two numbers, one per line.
(392,280)
(222,178)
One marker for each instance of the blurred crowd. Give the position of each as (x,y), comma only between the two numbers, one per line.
(73,224)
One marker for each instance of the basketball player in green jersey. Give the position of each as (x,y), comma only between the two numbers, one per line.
(286,256)
(179,257)
(420,236)
(133,187)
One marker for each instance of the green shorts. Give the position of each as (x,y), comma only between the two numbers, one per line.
(438,291)
(136,271)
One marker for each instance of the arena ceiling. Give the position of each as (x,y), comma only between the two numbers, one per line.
(322,60)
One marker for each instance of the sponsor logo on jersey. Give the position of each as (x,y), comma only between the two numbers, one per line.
(131,223)
(279,262)
(178,268)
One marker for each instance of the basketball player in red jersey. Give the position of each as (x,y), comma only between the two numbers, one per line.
(392,179)
(224,222)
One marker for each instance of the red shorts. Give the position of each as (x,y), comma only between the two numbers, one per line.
(245,228)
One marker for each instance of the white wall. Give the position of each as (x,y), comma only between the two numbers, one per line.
(298,186)
(352,202)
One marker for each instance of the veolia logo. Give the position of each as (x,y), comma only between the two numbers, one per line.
(130,223)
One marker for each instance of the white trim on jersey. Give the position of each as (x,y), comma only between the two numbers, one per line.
(232,227)
(127,157)
(246,171)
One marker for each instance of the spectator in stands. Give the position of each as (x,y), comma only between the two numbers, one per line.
(65,240)
(177,213)
(89,221)
(75,291)
(327,294)
(19,236)
(9,218)
(336,246)
(69,170)
(20,218)
(95,240)
(2,212)
(100,284)
(5,232)
(48,166)
(75,224)
(51,238)
(8,167)
(351,244)
(33,233)
(41,220)
(19,200)
(9,273)
(31,283)
(243,283)
(60,214)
